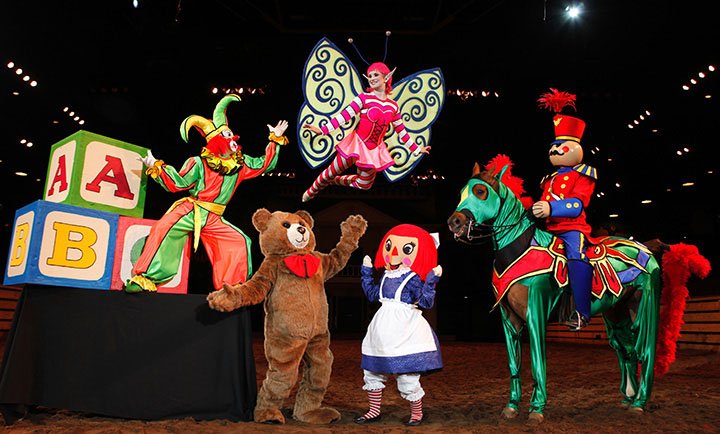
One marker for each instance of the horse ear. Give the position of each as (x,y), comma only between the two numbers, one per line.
(476,169)
(502,172)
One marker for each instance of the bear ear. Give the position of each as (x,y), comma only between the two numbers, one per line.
(306,216)
(260,219)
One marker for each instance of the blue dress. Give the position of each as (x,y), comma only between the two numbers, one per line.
(399,339)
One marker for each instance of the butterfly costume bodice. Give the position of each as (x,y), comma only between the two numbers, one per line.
(376,116)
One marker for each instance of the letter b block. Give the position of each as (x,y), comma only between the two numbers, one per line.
(61,245)
(92,171)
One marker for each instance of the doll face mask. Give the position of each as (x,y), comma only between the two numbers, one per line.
(399,252)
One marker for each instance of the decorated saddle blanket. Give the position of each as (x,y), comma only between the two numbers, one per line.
(629,257)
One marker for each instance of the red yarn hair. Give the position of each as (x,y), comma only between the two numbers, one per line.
(426,258)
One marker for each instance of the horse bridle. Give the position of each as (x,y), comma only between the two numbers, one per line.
(487,229)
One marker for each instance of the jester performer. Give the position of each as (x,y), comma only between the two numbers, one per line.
(566,194)
(362,125)
(211,179)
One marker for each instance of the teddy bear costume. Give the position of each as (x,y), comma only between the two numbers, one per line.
(291,282)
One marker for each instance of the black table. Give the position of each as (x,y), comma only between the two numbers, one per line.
(141,356)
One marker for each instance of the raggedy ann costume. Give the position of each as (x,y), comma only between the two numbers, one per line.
(399,341)
(361,134)
(211,179)
(566,194)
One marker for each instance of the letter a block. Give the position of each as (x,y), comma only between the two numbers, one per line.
(97,172)
(131,236)
(61,245)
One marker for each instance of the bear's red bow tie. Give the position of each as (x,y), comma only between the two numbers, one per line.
(302,265)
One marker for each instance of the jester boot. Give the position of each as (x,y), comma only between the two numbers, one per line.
(580,275)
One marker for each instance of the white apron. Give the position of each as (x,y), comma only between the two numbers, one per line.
(398,328)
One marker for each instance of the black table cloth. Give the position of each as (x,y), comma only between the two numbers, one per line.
(141,356)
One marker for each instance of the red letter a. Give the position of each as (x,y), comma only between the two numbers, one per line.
(115,166)
(60,176)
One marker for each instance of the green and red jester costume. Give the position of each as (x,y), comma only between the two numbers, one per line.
(211,179)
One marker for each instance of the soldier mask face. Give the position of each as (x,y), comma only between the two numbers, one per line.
(565,153)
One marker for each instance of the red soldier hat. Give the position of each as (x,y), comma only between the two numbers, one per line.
(566,127)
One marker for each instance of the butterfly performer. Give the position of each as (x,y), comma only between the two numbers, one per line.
(373,132)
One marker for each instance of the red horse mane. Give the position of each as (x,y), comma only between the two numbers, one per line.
(514,183)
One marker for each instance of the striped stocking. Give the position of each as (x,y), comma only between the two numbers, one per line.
(338,166)
(416,412)
(374,397)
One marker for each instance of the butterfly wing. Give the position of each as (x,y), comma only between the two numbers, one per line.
(330,82)
(420,98)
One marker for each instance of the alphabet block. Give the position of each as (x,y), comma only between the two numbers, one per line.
(61,245)
(93,171)
(131,236)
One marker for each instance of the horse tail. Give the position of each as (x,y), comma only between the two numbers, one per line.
(679,261)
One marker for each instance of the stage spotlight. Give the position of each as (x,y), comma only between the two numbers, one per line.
(573,11)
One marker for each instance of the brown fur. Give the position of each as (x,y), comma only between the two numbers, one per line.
(296,315)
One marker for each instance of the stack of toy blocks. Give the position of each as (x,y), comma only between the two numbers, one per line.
(88,230)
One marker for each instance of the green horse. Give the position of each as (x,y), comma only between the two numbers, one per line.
(530,276)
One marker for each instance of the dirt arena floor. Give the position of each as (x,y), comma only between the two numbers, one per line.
(467,397)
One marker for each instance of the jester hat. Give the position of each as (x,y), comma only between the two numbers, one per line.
(216,131)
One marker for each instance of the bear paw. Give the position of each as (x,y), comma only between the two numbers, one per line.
(269,416)
(319,416)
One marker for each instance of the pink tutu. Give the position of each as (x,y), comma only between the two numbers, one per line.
(353,147)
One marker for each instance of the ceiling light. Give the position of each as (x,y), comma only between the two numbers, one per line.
(11,65)
(701,74)
(688,184)
(23,141)
(693,81)
(29,144)
(26,78)
(646,201)
(16,93)
(647,112)
(614,215)
(708,96)
(18,71)
(686,87)
(573,11)
(21,173)
(711,68)
(33,83)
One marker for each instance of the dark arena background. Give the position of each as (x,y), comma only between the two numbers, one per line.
(645,75)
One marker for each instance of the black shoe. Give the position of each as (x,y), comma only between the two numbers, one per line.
(411,422)
(362,419)
(577,322)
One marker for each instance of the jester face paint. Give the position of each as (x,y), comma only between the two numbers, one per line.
(399,252)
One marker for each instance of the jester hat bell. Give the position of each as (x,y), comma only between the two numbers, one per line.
(214,131)
(566,127)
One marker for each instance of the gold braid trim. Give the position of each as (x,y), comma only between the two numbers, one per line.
(154,170)
(282,140)
(144,282)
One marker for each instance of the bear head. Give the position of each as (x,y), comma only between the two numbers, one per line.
(284,233)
